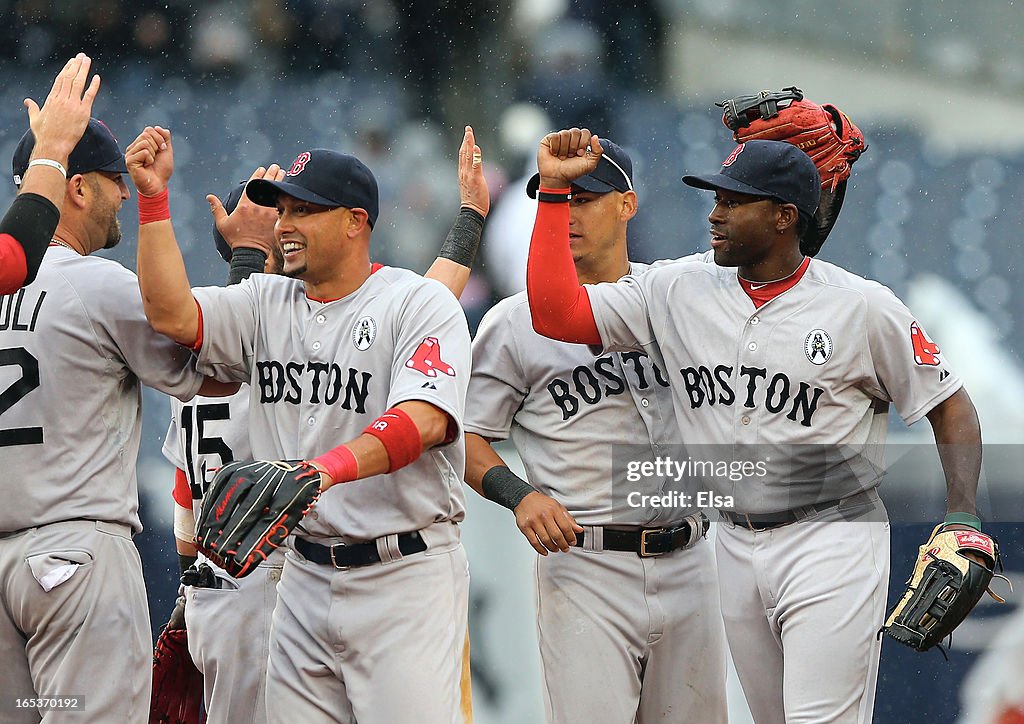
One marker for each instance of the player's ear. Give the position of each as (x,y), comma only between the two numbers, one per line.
(629,205)
(77,190)
(787,217)
(358,221)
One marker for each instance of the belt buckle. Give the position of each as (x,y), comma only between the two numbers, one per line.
(643,553)
(333,561)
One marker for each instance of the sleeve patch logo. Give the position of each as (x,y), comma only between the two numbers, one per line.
(427,359)
(926,352)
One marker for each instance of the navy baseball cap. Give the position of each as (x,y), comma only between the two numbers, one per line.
(614,172)
(775,169)
(96,151)
(322,177)
(230,203)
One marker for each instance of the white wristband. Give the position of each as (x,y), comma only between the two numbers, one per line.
(49,162)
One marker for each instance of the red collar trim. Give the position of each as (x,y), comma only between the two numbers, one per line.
(761,294)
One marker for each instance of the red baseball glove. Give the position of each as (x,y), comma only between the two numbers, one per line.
(177,683)
(823,132)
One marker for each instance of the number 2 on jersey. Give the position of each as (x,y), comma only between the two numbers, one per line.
(29,380)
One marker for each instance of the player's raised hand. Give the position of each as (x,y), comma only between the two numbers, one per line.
(60,123)
(546,523)
(473,190)
(249,226)
(150,160)
(566,155)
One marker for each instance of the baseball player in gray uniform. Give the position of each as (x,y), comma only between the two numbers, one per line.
(370,621)
(630,611)
(78,348)
(228,619)
(792,363)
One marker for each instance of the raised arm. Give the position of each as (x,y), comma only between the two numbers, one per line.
(166,293)
(28,226)
(455,259)
(559,306)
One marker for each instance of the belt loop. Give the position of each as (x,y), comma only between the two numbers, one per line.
(387,548)
(593,538)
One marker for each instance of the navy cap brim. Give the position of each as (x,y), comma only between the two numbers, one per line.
(115,166)
(587,183)
(713,182)
(264,193)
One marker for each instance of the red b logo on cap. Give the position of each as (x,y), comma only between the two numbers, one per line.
(732,156)
(298,164)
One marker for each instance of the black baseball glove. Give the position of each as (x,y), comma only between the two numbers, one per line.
(945,585)
(250,508)
(823,132)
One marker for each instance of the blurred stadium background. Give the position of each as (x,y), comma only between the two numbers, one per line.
(934,207)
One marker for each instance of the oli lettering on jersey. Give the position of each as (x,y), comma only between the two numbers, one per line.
(591,383)
(315,382)
(19,314)
(779,394)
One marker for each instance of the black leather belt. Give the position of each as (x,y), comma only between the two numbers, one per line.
(647,542)
(357,554)
(768,521)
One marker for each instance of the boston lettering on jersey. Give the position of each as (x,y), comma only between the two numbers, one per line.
(314,382)
(778,394)
(590,383)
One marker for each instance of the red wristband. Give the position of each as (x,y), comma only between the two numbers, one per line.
(154,208)
(340,464)
(399,435)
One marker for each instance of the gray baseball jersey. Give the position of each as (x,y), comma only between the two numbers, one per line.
(816,366)
(566,412)
(76,346)
(205,434)
(321,372)
(566,408)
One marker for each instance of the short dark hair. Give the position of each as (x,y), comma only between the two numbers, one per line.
(803,223)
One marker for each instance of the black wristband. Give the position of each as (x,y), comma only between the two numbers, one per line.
(185,562)
(31,220)
(463,239)
(505,487)
(244,262)
(549,198)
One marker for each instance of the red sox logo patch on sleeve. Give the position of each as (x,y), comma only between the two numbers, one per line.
(427,359)
(298,164)
(926,352)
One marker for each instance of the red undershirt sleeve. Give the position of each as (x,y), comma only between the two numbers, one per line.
(182,492)
(559,306)
(13,265)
